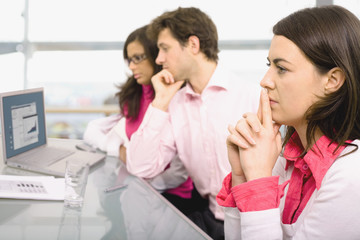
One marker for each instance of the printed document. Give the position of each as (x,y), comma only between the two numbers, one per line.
(32,187)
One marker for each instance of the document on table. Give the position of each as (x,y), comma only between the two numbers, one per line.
(32,187)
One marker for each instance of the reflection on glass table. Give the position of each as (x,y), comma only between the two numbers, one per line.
(143,212)
(133,212)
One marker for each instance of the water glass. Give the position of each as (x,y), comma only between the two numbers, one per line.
(76,175)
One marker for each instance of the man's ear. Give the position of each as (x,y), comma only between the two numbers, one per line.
(194,44)
(335,79)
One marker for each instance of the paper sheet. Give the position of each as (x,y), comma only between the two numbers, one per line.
(32,187)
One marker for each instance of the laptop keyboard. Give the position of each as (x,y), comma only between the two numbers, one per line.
(48,156)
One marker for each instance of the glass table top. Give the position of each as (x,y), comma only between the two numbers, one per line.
(136,211)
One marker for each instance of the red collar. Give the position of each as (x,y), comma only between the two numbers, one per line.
(316,161)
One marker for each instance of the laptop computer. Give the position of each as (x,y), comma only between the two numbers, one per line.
(24,139)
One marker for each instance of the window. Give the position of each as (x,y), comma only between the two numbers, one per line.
(73,48)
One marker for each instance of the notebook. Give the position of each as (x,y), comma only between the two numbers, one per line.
(24,139)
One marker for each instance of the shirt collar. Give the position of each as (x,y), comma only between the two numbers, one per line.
(217,81)
(318,160)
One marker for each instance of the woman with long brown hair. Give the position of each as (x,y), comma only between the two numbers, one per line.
(307,187)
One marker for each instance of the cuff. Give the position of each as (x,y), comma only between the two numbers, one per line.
(257,195)
(225,197)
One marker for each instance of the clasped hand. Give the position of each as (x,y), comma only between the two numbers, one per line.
(254,144)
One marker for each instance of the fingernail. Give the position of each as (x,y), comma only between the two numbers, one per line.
(243,145)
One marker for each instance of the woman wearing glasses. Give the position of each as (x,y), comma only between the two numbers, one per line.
(310,191)
(111,134)
(134,96)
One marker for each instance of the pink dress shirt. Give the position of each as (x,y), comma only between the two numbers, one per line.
(185,189)
(195,128)
(264,193)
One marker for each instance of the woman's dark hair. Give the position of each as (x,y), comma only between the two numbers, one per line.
(130,92)
(186,22)
(329,37)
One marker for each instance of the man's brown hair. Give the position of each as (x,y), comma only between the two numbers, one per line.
(186,22)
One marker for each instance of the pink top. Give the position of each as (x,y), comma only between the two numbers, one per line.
(185,189)
(146,98)
(265,193)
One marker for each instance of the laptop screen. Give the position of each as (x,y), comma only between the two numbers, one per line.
(24,121)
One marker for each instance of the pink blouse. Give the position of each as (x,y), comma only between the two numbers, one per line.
(146,98)
(265,193)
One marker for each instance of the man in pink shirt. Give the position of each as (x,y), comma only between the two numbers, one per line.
(191,121)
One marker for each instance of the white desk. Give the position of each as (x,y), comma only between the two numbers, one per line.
(135,212)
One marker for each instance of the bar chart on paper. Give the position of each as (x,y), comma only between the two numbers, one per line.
(32,187)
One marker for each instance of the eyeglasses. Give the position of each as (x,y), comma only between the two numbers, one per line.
(136,59)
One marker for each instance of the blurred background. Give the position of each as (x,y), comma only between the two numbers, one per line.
(73,48)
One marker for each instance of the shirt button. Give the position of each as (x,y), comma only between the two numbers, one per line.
(305,167)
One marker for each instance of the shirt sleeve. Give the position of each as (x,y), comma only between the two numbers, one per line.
(152,146)
(225,197)
(120,130)
(258,202)
(100,133)
(259,194)
(172,177)
(256,195)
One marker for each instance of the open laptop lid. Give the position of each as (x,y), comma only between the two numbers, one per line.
(22,121)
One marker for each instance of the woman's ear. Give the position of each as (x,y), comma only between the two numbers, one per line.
(335,79)
(194,44)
